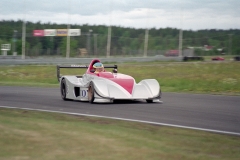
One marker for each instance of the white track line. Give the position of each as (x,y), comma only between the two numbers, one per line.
(131,120)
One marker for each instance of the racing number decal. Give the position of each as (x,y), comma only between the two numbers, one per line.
(83,93)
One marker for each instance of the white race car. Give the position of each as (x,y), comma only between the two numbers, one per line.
(105,87)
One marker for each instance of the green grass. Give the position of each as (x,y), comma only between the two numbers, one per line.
(194,77)
(49,136)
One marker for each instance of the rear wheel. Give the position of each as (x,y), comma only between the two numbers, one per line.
(91,93)
(63,89)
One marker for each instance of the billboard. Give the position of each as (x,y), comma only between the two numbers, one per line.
(38,33)
(74,32)
(57,32)
(49,32)
(5,47)
(62,32)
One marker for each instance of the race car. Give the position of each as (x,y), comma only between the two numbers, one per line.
(105,87)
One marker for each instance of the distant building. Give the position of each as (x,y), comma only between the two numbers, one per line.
(207,47)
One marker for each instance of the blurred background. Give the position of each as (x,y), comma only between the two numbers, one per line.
(119,28)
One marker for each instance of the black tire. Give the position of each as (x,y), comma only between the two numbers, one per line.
(63,89)
(149,100)
(91,91)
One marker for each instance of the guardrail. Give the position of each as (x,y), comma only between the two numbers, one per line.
(193,58)
(61,61)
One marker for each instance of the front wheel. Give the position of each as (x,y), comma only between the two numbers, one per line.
(158,97)
(91,93)
(149,100)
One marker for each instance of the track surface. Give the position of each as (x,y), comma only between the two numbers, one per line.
(193,110)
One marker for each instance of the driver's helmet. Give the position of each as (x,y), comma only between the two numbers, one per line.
(98,66)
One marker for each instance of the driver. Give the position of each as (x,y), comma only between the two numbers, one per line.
(98,67)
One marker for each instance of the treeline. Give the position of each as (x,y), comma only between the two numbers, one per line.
(123,40)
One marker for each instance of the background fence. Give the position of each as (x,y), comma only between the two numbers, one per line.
(125,42)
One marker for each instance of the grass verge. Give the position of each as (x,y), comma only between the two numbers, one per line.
(193,77)
(41,135)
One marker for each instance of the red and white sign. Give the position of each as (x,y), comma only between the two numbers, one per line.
(38,32)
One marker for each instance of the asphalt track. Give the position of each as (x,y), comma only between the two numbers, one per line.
(196,111)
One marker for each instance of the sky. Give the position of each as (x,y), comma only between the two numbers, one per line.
(184,14)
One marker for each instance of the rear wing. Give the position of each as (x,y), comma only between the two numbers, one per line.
(71,66)
(80,66)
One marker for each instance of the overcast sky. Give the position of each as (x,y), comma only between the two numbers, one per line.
(186,14)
